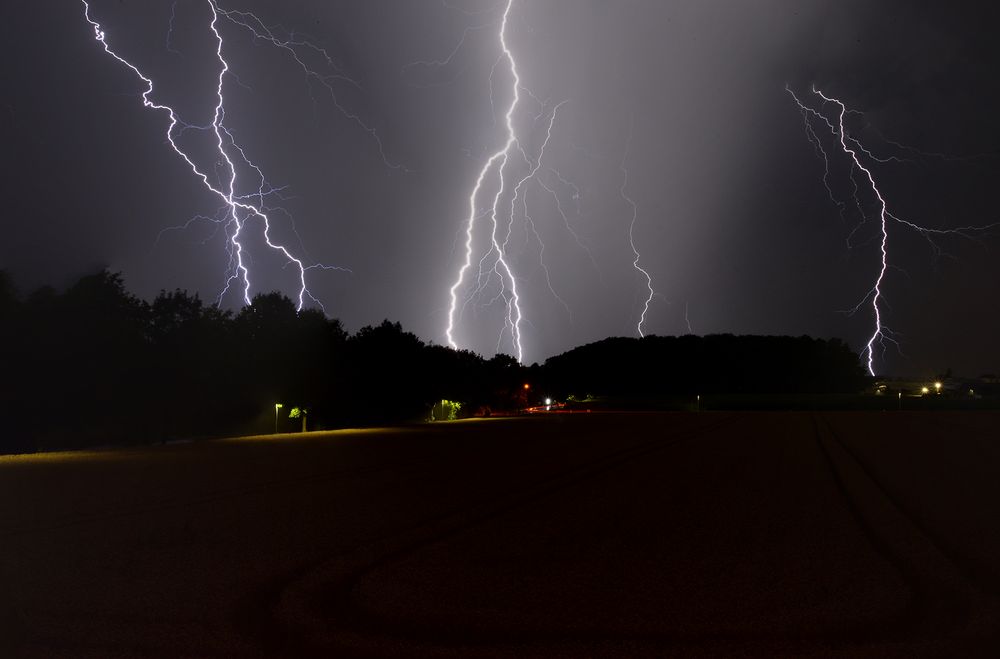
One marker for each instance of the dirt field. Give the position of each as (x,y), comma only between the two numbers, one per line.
(713,534)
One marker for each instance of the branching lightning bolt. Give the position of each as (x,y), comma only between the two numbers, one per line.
(518,193)
(501,267)
(238,208)
(857,153)
(292,45)
(495,264)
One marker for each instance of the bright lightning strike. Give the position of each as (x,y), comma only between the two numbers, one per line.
(501,266)
(631,235)
(237,207)
(495,269)
(858,155)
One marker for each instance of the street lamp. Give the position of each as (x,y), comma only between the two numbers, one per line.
(277,406)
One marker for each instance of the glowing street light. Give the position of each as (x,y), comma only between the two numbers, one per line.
(937,387)
(277,406)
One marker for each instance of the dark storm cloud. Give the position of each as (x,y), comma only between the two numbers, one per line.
(734,224)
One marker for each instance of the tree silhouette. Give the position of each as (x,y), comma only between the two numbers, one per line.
(97,365)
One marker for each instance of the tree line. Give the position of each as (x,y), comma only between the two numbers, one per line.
(96,365)
(716,364)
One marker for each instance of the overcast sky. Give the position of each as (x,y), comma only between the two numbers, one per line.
(734,224)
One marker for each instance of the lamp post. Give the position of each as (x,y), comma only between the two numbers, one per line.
(277,406)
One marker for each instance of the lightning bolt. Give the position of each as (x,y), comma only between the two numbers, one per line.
(296,47)
(170,29)
(565,218)
(495,269)
(501,267)
(857,153)
(237,208)
(519,193)
(449,58)
(631,234)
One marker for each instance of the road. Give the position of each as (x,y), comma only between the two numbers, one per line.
(706,535)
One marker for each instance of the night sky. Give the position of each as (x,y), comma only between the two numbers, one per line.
(734,224)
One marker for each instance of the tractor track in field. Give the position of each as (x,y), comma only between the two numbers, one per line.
(948,590)
(292,599)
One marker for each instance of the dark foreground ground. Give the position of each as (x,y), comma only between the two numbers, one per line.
(714,534)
